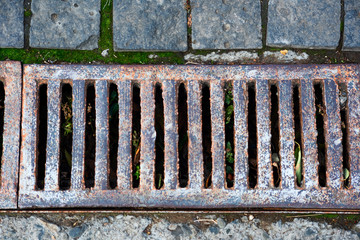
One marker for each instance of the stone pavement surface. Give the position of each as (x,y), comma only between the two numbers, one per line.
(226,24)
(70,24)
(352,25)
(150,25)
(304,23)
(11,24)
(131,227)
(159,25)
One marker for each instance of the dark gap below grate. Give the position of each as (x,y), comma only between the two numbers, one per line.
(344,114)
(275,135)
(159,141)
(90,137)
(66,137)
(206,134)
(135,137)
(113,134)
(229,134)
(42,137)
(321,146)
(183,142)
(252,130)
(298,146)
(2,111)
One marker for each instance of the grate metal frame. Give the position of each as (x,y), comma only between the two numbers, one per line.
(288,196)
(11,76)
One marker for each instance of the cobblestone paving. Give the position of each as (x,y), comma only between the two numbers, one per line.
(11,24)
(352,25)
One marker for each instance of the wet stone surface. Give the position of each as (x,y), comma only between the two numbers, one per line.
(67,24)
(11,24)
(150,25)
(226,24)
(304,24)
(352,25)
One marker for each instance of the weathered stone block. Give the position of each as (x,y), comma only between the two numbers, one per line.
(11,24)
(66,24)
(352,25)
(150,25)
(304,23)
(226,24)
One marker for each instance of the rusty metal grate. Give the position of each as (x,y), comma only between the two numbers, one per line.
(324,116)
(10,109)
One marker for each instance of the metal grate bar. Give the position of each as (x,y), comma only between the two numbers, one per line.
(78,152)
(102,133)
(218,133)
(53,147)
(309,158)
(354,131)
(286,135)
(171,136)
(195,142)
(124,148)
(10,75)
(264,136)
(241,135)
(333,133)
(148,136)
(29,132)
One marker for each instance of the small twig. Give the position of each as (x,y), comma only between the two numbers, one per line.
(308,215)
(206,220)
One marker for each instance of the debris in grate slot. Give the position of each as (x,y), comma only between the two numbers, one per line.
(90,138)
(275,138)
(298,135)
(267,101)
(206,134)
(183,141)
(2,111)
(320,116)
(66,137)
(229,134)
(344,114)
(159,141)
(252,140)
(113,134)
(136,141)
(42,136)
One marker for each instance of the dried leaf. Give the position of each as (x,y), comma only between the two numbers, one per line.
(346,174)
(284,52)
(298,169)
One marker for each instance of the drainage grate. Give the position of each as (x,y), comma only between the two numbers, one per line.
(191,137)
(10,110)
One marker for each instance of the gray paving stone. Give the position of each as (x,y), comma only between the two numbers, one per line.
(226,24)
(11,24)
(304,23)
(150,25)
(65,24)
(352,25)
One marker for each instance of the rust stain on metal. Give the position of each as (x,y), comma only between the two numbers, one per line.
(11,75)
(287,196)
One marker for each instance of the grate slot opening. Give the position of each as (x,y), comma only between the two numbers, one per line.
(275,135)
(320,117)
(344,115)
(183,142)
(90,137)
(159,141)
(135,136)
(206,134)
(2,111)
(229,134)
(113,134)
(298,146)
(252,140)
(66,139)
(41,136)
